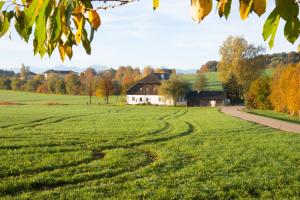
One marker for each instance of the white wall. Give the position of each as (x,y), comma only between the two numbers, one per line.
(152,99)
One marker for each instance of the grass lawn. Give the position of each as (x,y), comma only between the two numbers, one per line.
(79,151)
(275,115)
(212,80)
(40,98)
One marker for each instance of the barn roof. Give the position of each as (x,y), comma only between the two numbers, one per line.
(58,71)
(205,94)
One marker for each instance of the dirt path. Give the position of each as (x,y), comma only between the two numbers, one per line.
(274,123)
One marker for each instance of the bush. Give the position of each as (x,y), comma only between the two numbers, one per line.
(258,94)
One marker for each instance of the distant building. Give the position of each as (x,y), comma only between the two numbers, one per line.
(59,73)
(30,75)
(206,98)
(145,91)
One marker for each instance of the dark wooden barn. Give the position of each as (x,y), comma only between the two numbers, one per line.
(205,98)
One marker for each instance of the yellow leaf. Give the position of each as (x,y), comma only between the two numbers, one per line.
(79,9)
(78,20)
(68,50)
(63,21)
(155,4)
(78,36)
(245,7)
(200,9)
(259,6)
(62,52)
(94,19)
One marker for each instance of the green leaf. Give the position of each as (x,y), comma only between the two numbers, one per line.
(86,43)
(92,34)
(32,12)
(292,30)
(227,8)
(270,27)
(287,9)
(56,29)
(23,31)
(68,11)
(5,18)
(40,29)
(1,4)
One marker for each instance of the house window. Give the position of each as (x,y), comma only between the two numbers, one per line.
(141,99)
(141,89)
(159,99)
(147,89)
(133,98)
(147,99)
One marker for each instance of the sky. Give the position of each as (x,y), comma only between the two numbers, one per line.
(136,35)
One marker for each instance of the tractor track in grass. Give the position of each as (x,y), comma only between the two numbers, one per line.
(96,155)
(32,124)
(99,154)
(13,147)
(34,121)
(53,122)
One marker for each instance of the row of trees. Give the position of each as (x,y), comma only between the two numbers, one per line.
(281,92)
(103,84)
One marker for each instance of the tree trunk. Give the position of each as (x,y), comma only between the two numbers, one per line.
(174,100)
(90,99)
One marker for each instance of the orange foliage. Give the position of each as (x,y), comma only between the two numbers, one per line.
(285,95)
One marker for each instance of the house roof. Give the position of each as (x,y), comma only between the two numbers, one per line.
(31,73)
(153,78)
(205,94)
(58,71)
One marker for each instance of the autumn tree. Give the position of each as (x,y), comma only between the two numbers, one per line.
(17,84)
(60,87)
(201,82)
(105,87)
(147,70)
(5,83)
(72,83)
(89,77)
(120,73)
(51,83)
(173,88)
(210,66)
(242,60)
(32,85)
(285,94)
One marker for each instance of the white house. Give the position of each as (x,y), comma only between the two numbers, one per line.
(145,91)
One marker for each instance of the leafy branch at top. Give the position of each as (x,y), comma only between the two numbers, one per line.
(63,24)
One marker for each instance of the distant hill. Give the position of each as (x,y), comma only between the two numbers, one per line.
(7,73)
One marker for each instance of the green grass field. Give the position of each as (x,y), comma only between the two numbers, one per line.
(275,115)
(77,151)
(213,82)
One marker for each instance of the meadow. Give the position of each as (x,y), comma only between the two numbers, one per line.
(77,151)
(213,82)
